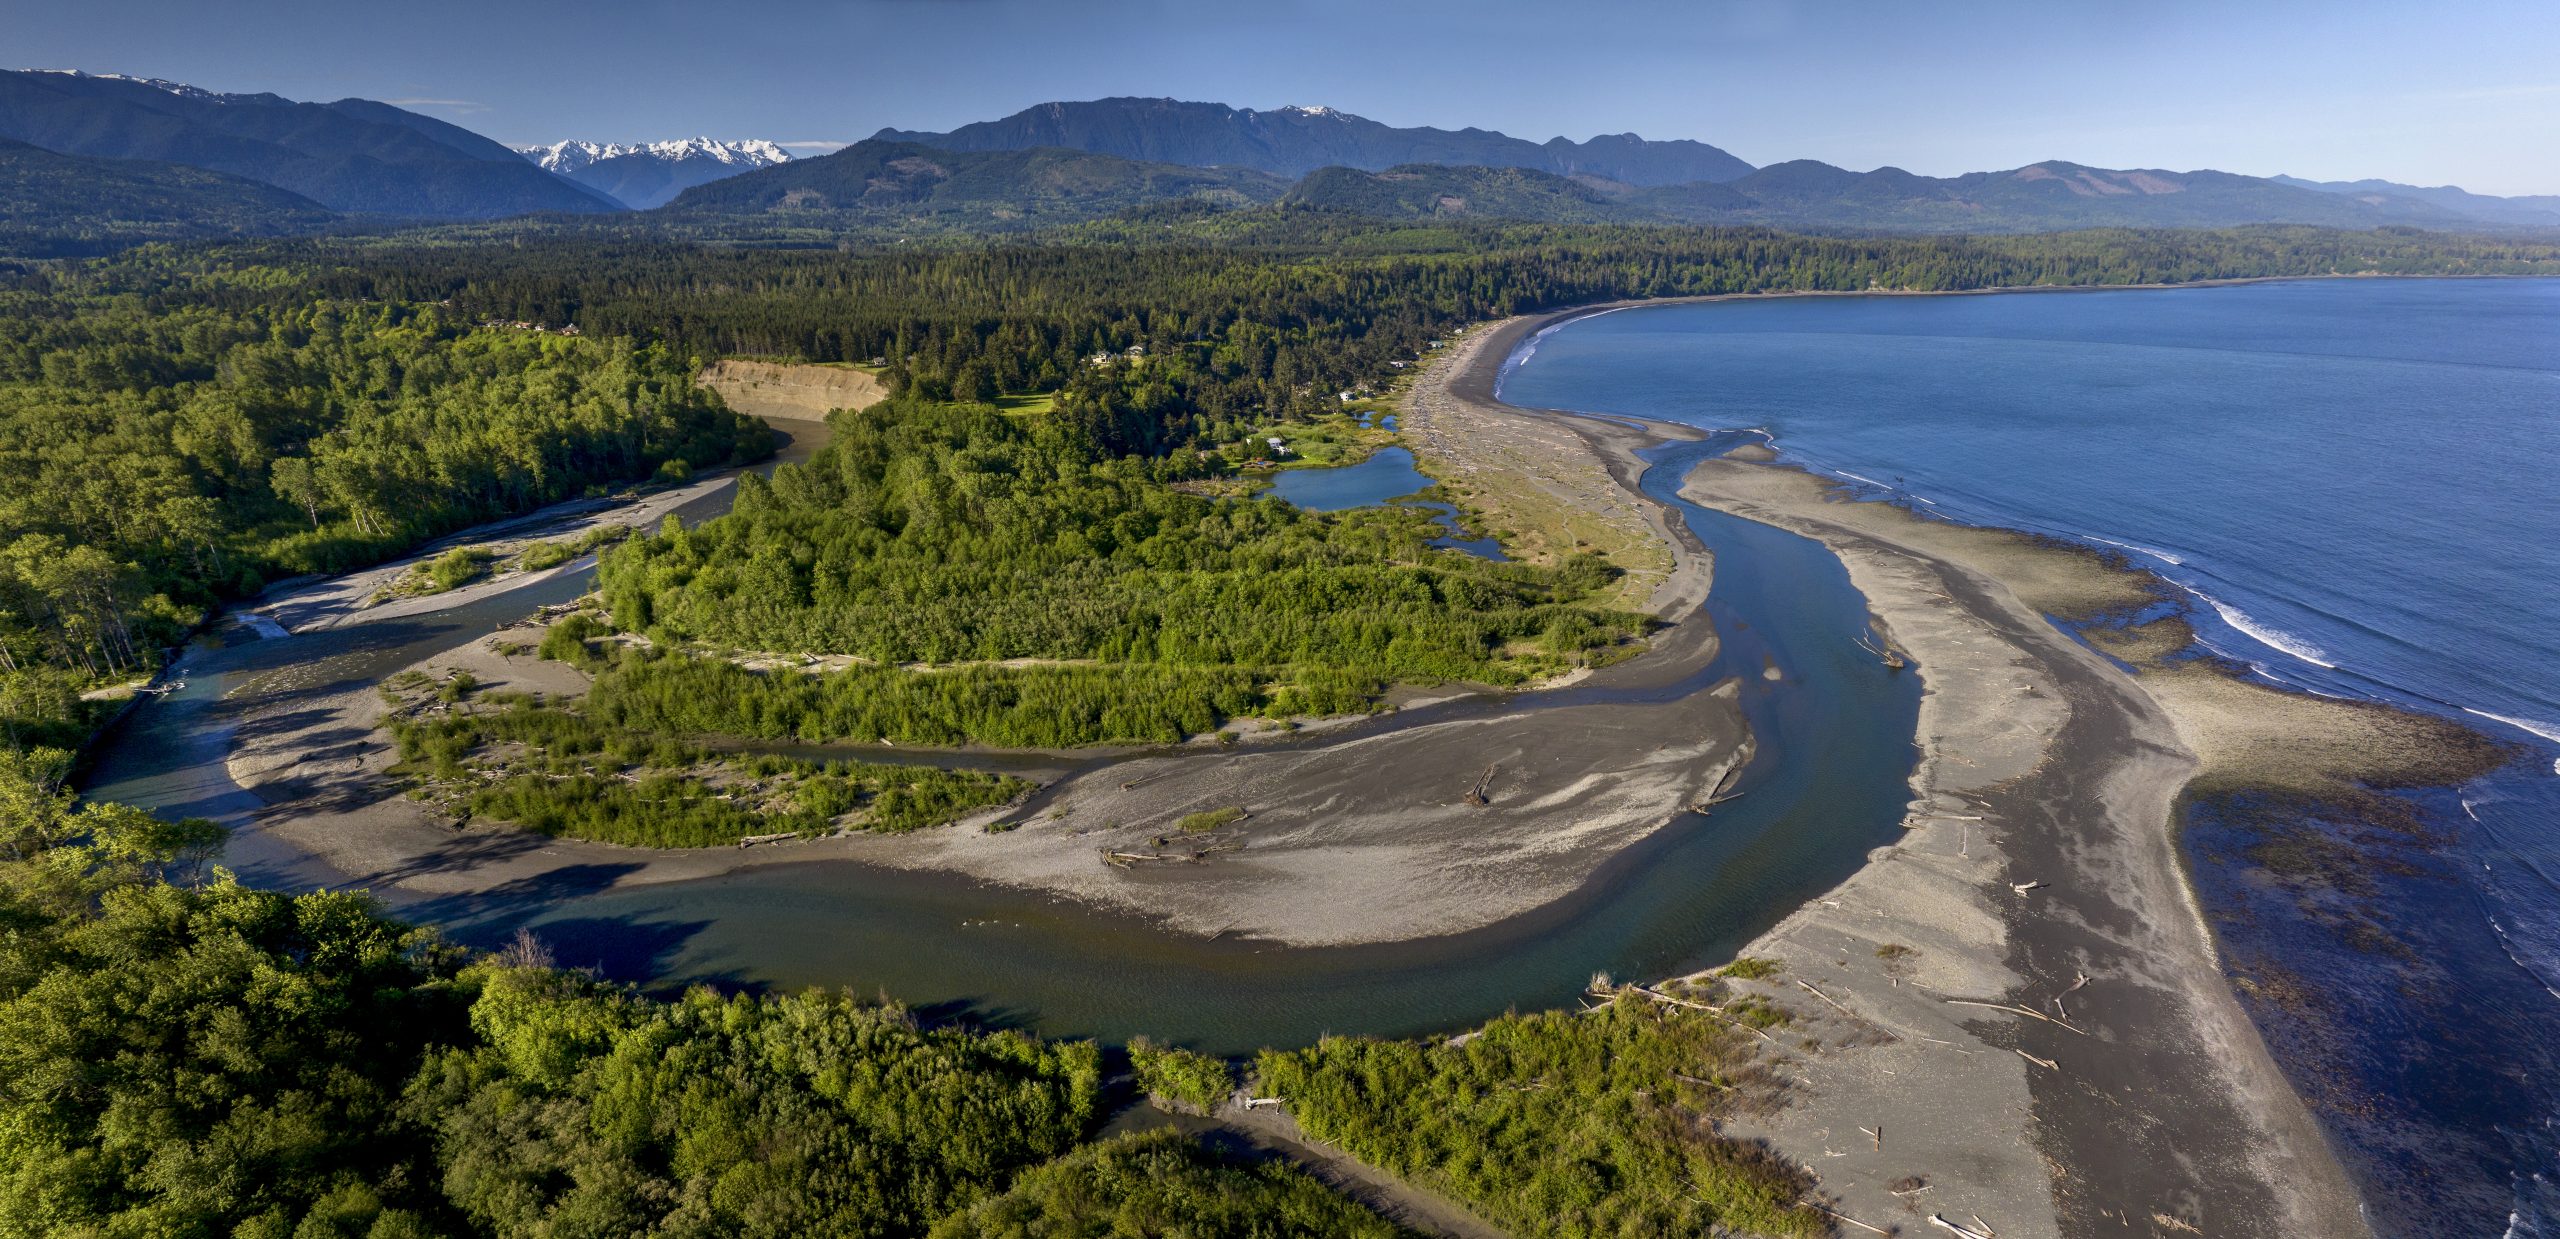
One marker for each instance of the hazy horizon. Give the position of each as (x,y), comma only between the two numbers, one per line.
(2400,94)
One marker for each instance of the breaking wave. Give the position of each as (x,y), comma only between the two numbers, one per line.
(2548,731)
(2272,638)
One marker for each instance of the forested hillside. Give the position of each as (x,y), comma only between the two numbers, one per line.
(63,206)
(174,436)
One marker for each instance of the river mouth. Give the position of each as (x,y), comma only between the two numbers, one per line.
(1834,751)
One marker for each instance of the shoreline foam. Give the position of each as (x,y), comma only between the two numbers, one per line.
(2114,904)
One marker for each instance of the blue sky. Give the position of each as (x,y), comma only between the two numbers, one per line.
(2461,93)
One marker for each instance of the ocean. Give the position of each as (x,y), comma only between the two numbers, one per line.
(2357,484)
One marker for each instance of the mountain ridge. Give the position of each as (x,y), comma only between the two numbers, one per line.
(354,155)
(642,175)
(876,179)
(2047,196)
(54,205)
(1296,140)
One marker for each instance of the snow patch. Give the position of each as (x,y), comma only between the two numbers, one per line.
(571,156)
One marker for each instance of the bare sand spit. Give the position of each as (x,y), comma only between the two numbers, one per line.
(2041,851)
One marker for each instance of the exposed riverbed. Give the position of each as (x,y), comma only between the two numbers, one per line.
(1833,749)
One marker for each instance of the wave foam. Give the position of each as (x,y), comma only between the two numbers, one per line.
(2136,548)
(2272,638)
(2548,731)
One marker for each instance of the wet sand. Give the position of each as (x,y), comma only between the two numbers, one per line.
(2041,849)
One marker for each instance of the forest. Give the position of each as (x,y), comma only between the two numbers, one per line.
(190,1055)
(181,424)
(181,1054)
(163,453)
(955,534)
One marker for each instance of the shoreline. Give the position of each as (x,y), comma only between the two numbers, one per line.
(2185,1076)
(2202,1129)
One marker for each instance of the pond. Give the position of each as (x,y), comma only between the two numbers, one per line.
(1386,477)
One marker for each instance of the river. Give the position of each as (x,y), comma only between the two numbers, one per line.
(1828,784)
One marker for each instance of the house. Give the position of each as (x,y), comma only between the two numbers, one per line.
(1277,447)
(1398,365)
(1345,397)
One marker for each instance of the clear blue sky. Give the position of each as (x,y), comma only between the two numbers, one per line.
(2444,92)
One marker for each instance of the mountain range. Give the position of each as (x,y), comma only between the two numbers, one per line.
(2539,210)
(650,174)
(111,160)
(354,155)
(874,181)
(1295,141)
(1804,194)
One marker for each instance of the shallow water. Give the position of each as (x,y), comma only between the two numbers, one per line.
(1830,782)
(2359,483)
(1387,476)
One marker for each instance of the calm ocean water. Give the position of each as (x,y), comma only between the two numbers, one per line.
(2358,482)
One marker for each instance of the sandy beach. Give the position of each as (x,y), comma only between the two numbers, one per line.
(2042,850)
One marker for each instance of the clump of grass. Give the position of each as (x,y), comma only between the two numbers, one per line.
(1751,968)
(1203,822)
(455,569)
(553,553)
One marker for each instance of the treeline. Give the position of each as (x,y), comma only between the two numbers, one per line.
(1263,312)
(943,534)
(184,1059)
(162,451)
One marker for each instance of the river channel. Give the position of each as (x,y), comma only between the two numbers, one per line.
(1827,784)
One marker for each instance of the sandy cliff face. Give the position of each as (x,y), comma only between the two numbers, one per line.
(799,393)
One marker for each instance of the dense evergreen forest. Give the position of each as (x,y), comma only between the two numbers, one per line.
(162,451)
(956,534)
(183,1055)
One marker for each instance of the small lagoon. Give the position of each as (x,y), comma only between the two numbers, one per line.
(1386,477)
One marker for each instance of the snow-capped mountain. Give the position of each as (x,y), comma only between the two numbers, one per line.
(647,174)
(180,89)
